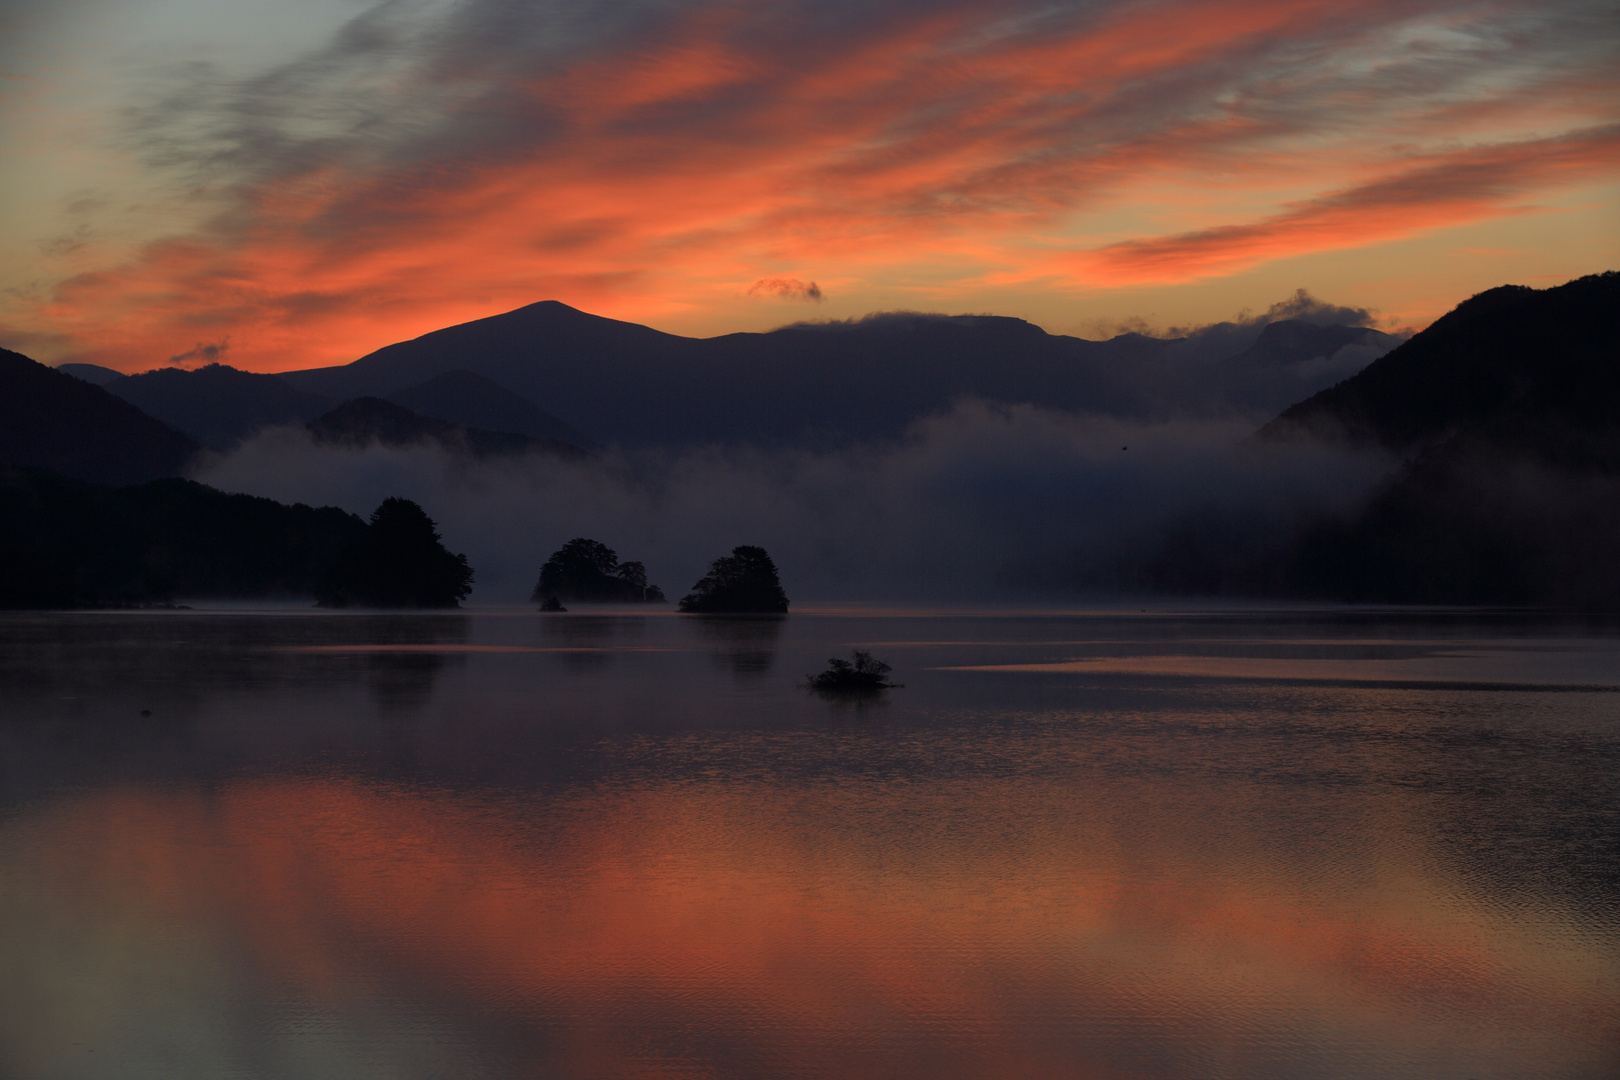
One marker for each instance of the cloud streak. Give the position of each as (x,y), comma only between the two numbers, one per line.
(1458,187)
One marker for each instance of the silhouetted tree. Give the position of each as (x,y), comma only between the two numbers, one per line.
(743,582)
(70,543)
(400,562)
(589,571)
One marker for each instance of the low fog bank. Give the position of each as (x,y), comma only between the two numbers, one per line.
(976,503)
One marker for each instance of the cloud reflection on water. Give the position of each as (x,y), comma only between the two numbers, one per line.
(653,867)
(752,930)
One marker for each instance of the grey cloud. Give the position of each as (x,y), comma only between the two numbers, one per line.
(202,353)
(787,289)
(1204,342)
(1307,308)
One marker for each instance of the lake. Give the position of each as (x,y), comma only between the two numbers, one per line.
(1232,843)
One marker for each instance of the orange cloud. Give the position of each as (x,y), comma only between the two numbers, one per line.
(1459,187)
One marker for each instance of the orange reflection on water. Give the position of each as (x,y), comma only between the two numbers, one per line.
(1006,928)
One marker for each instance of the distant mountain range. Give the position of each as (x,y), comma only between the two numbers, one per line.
(220,406)
(216,405)
(813,384)
(1506,412)
(816,384)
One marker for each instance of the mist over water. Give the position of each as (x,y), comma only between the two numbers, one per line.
(965,504)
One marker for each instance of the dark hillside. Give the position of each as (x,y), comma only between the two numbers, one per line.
(54,421)
(1510,409)
(1510,360)
(68,543)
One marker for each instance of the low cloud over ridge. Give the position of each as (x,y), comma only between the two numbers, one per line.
(967,504)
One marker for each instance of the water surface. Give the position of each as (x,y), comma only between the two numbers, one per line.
(1087,844)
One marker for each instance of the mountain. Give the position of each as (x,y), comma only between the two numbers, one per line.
(1508,412)
(462,397)
(58,422)
(811,383)
(69,543)
(217,405)
(368,420)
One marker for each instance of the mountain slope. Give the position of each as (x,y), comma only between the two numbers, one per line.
(55,421)
(462,397)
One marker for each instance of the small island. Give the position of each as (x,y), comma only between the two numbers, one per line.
(588,571)
(742,583)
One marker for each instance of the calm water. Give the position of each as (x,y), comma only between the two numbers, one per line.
(1075,845)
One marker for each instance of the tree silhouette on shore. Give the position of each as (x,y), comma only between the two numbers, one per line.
(744,582)
(399,563)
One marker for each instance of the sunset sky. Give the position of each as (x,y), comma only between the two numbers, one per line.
(293,184)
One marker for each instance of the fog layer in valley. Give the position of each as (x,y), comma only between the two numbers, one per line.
(969,504)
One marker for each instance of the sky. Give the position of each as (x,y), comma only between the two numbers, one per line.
(294,184)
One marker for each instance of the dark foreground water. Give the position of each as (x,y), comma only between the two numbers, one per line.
(1075,845)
